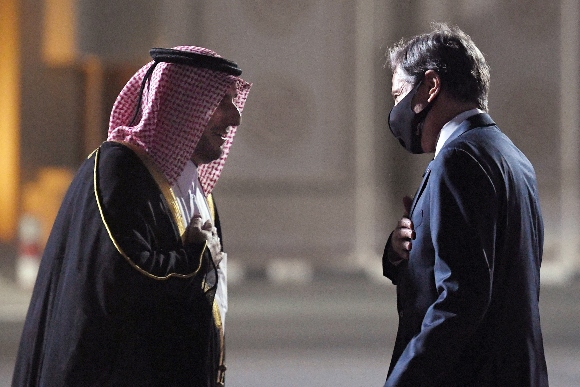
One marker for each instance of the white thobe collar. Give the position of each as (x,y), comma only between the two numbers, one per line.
(190,195)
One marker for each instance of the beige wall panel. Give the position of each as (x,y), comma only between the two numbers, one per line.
(287,190)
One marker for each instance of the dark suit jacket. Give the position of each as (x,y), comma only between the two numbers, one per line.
(468,295)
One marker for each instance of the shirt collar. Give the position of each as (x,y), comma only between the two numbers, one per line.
(187,181)
(450,127)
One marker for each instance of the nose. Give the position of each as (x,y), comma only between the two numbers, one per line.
(234,115)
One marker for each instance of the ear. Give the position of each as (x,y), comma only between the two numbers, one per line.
(433,82)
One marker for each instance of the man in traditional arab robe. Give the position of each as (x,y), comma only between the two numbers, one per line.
(132,284)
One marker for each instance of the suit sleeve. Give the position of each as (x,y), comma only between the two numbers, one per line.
(390,270)
(463,212)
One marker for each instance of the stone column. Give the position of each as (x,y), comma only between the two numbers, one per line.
(10,113)
(364,135)
(569,142)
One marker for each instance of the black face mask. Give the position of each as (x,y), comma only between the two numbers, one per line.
(406,125)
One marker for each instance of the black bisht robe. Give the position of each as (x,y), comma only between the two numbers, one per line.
(120,299)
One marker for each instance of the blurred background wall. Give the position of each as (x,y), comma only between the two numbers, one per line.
(314,181)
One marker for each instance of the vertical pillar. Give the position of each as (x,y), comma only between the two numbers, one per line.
(59,43)
(10,117)
(365,222)
(569,140)
(93,116)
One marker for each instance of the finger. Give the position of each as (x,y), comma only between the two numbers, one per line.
(403,250)
(208,225)
(405,223)
(405,235)
(406,232)
(407,228)
(402,253)
(218,259)
(196,221)
(407,201)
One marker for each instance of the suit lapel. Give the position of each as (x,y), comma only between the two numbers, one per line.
(421,187)
(475,121)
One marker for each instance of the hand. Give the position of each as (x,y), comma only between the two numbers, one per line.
(401,240)
(205,233)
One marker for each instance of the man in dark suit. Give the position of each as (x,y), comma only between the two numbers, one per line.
(466,256)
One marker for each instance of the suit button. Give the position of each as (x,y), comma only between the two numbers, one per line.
(401,314)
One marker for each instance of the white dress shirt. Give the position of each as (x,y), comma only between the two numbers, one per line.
(450,127)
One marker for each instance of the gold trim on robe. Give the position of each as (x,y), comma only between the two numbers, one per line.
(216,313)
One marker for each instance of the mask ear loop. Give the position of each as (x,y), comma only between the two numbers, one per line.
(143,83)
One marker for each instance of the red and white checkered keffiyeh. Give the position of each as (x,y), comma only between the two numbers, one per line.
(177,104)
